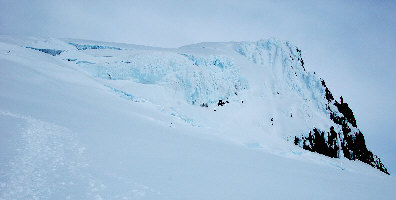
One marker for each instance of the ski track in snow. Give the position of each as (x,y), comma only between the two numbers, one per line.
(50,164)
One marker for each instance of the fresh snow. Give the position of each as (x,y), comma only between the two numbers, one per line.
(117,121)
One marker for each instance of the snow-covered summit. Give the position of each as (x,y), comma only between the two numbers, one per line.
(257,95)
(279,95)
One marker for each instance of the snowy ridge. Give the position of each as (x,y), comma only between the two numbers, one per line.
(214,79)
(232,120)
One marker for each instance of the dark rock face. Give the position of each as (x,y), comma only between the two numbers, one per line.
(222,103)
(316,142)
(349,141)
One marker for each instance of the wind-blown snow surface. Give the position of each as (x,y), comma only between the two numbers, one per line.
(93,120)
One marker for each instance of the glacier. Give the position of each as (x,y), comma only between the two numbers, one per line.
(87,119)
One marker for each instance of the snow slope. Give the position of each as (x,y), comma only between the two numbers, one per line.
(117,121)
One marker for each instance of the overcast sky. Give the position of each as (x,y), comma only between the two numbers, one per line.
(352,45)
